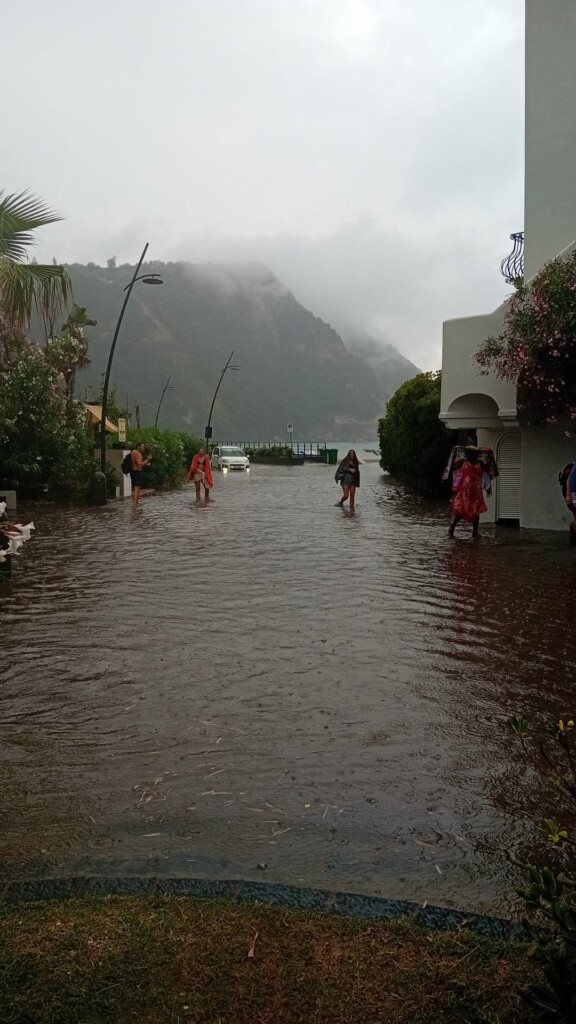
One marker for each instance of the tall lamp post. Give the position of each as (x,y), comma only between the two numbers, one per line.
(166,388)
(208,431)
(147,279)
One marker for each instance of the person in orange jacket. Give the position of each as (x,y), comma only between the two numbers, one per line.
(201,473)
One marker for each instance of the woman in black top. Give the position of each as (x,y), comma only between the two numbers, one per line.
(348,476)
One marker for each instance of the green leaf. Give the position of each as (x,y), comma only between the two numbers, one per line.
(20,214)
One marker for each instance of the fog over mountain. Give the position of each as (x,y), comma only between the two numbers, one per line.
(293,366)
(372,281)
(369,152)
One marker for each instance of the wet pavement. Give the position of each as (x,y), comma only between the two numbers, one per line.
(269,688)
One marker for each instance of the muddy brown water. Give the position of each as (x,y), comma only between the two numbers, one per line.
(270,681)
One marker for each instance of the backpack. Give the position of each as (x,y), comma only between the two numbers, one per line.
(126,464)
(564,474)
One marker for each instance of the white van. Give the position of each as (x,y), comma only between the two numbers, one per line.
(227,458)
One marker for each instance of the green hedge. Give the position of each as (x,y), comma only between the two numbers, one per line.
(171,452)
(414,443)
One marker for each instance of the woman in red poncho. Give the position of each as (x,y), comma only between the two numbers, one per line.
(468,502)
(201,473)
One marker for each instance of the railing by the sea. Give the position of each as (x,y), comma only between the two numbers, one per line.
(315,450)
(292,452)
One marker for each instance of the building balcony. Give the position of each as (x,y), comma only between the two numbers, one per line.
(512,267)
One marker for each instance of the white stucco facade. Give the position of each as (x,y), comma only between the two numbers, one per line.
(529,459)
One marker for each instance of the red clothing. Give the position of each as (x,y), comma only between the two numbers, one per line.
(197,466)
(468,502)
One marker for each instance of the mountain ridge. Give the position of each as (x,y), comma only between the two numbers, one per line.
(294,367)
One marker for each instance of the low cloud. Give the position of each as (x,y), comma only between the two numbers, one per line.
(363,279)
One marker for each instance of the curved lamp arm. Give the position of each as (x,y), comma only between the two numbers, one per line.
(207,431)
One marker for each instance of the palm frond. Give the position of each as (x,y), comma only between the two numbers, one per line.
(25,287)
(20,214)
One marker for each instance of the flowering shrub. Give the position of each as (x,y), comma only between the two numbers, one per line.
(537,346)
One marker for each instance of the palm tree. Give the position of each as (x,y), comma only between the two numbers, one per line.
(28,286)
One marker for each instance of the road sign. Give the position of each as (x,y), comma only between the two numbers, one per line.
(289,427)
(122,430)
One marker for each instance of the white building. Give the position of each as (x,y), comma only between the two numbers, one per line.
(529,459)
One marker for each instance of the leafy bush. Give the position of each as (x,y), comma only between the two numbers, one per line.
(44,448)
(549,897)
(71,471)
(190,445)
(414,444)
(171,452)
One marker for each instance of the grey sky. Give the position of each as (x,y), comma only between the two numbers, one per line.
(370,151)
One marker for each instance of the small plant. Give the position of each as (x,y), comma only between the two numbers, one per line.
(549,896)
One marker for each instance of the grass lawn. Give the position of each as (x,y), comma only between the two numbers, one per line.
(153,960)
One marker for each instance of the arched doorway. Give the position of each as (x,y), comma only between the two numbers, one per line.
(509,459)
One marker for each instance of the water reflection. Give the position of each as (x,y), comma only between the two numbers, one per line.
(200,689)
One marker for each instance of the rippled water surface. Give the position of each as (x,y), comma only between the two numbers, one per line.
(268,680)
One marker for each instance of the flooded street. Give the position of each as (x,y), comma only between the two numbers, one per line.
(269,688)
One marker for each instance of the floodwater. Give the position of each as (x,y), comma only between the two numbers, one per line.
(271,688)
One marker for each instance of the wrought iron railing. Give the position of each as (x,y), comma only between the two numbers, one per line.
(512,267)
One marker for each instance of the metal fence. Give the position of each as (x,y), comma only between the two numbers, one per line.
(309,449)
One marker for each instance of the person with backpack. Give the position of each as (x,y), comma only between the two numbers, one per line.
(567,478)
(133,464)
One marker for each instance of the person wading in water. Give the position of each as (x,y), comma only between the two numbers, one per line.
(348,476)
(138,463)
(468,502)
(201,473)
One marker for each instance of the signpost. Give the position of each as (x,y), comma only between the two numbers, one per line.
(290,428)
(122,430)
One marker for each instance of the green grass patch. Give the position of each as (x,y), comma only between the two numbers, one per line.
(172,960)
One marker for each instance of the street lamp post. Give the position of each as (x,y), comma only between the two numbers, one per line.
(147,279)
(208,431)
(166,388)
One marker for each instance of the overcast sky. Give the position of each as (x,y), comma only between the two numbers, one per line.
(370,151)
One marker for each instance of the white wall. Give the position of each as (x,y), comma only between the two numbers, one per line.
(460,375)
(550,227)
(550,197)
(544,453)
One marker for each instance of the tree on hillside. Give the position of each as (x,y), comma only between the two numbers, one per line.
(25,286)
(414,444)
